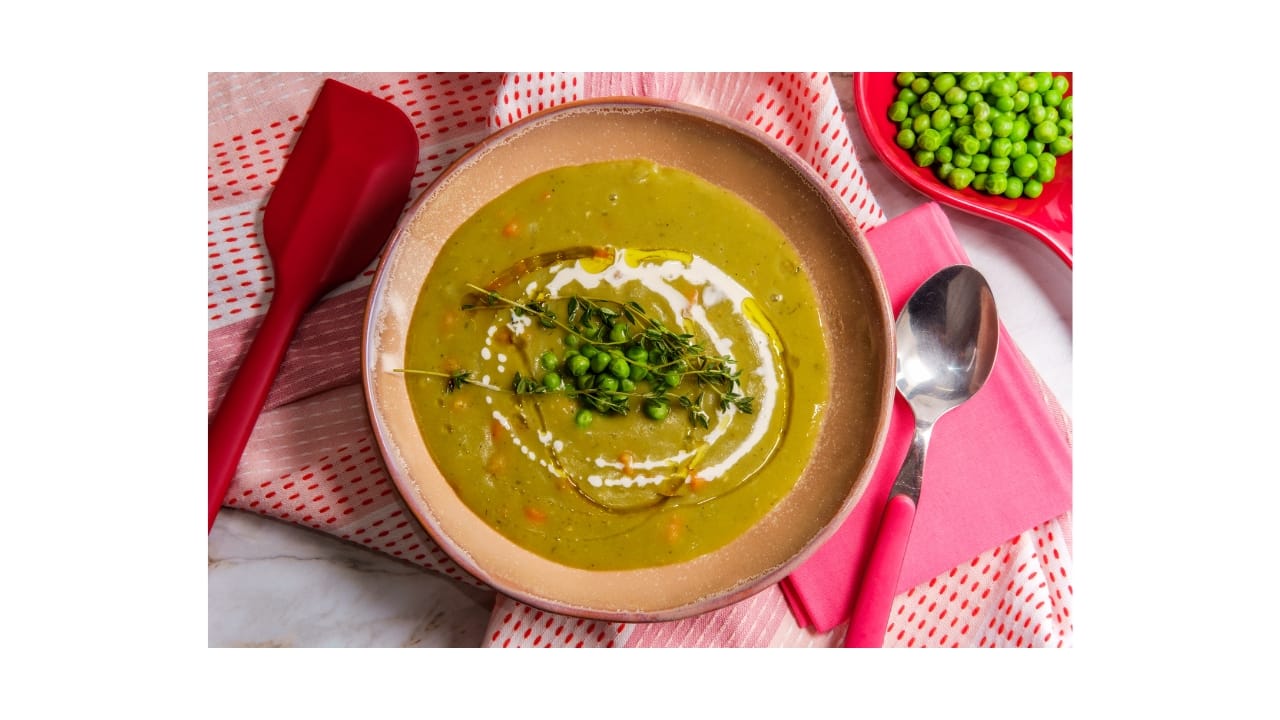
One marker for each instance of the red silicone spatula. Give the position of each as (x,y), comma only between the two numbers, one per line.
(332,209)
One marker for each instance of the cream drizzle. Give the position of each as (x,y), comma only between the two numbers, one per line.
(715,286)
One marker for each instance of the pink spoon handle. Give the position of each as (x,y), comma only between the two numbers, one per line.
(875,596)
(233,424)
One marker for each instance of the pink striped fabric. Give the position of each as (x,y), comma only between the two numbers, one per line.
(312,459)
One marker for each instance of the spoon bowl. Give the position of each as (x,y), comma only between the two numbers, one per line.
(946,341)
(946,337)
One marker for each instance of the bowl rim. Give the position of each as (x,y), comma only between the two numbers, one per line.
(857,244)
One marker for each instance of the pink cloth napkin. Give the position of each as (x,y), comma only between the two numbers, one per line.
(997,465)
(312,459)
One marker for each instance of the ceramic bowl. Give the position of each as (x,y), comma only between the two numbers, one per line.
(854,310)
(1047,217)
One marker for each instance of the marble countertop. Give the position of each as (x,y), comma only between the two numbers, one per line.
(278,585)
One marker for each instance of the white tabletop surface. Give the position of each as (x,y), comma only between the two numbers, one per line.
(275,584)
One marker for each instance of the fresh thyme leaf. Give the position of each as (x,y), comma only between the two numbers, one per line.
(457,380)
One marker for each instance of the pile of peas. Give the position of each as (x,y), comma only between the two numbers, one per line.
(605,370)
(999,133)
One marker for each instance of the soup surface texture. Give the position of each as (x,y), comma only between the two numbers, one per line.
(618,365)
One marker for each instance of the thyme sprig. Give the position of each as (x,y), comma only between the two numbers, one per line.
(614,346)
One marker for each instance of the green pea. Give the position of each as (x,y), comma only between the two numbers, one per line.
(930,101)
(906,138)
(1046,132)
(982,129)
(600,362)
(1000,147)
(981,112)
(618,333)
(1037,114)
(1003,87)
(672,379)
(1004,104)
(903,79)
(1064,108)
(585,382)
(626,385)
(980,182)
(923,122)
(1013,188)
(583,418)
(941,118)
(571,341)
(929,140)
(1060,145)
(970,146)
(944,82)
(1002,126)
(1018,149)
(1044,81)
(1035,147)
(960,178)
(620,368)
(955,95)
(1020,101)
(1021,128)
(920,85)
(943,170)
(944,154)
(592,332)
(552,381)
(1053,98)
(999,165)
(1025,166)
(961,160)
(959,111)
(908,96)
(1032,188)
(997,183)
(579,365)
(1061,84)
(1065,126)
(898,111)
(971,81)
(607,383)
(639,372)
(1051,114)
(1027,84)
(548,360)
(981,162)
(1046,167)
(656,409)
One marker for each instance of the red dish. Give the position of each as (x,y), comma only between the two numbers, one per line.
(1047,217)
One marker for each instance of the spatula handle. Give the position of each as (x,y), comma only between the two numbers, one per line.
(875,595)
(233,423)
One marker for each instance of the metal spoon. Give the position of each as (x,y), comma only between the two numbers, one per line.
(946,338)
